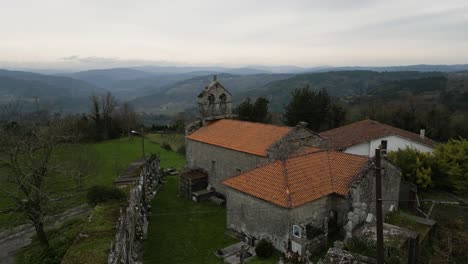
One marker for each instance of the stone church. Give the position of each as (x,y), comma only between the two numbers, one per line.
(280,183)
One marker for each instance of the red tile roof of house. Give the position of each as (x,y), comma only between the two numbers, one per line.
(253,138)
(366,130)
(301,179)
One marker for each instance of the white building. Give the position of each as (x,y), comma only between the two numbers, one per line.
(363,137)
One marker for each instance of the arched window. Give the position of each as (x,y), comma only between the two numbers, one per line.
(222,103)
(211,99)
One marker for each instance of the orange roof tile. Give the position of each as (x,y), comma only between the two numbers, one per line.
(301,179)
(253,138)
(366,130)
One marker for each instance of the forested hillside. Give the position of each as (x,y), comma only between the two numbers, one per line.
(52,92)
(182,95)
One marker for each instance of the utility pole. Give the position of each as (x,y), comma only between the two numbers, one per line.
(378,196)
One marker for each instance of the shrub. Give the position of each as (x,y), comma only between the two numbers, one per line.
(415,166)
(362,246)
(166,146)
(451,162)
(264,249)
(368,247)
(181,150)
(99,194)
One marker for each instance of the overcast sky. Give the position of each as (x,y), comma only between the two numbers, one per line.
(236,33)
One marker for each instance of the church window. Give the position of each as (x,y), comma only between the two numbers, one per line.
(297,230)
(222,103)
(211,99)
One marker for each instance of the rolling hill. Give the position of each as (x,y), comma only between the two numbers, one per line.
(338,84)
(54,92)
(182,95)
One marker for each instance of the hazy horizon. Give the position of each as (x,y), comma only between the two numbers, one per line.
(71,34)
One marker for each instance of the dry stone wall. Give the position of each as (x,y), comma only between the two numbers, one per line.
(132,224)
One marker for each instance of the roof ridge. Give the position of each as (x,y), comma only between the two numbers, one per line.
(258,123)
(286,183)
(296,155)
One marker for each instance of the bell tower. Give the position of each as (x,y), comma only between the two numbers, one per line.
(215,102)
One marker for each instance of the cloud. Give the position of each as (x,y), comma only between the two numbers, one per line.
(73,57)
(92,59)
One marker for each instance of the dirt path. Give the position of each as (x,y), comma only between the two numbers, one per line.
(13,240)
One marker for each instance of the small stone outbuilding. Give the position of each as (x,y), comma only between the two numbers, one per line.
(295,203)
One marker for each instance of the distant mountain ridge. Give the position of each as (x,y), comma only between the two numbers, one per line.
(181,95)
(163,89)
(55,92)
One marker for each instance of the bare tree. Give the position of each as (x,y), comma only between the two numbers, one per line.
(127,118)
(96,115)
(32,168)
(102,110)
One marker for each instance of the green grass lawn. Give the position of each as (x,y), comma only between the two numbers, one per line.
(60,240)
(110,157)
(180,233)
(173,139)
(93,247)
(115,155)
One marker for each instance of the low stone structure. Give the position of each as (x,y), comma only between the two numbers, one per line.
(192,181)
(326,191)
(132,224)
(337,254)
(403,240)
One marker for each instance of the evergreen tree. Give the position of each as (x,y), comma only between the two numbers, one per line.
(309,106)
(254,112)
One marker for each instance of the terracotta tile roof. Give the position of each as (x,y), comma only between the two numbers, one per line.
(301,179)
(366,130)
(253,138)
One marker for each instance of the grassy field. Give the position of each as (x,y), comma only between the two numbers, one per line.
(180,233)
(113,156)
(110,158)
(174,140)
(93,246)
(60,240)
(449,242)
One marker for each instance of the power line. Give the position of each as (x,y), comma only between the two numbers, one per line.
(309,205)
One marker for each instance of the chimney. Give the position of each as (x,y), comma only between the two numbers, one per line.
(422,133)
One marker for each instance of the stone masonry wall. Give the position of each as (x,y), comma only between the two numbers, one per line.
(257,218)
(132,224)
(298,137)
(362,194)
(220,163)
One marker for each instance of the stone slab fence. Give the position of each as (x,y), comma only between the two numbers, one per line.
(133,222)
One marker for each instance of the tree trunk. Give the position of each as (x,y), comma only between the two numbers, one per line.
(41,235)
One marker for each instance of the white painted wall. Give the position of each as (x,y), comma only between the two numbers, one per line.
(359,149)
(394,143)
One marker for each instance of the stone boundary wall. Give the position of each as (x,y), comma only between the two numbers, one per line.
(132,224)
